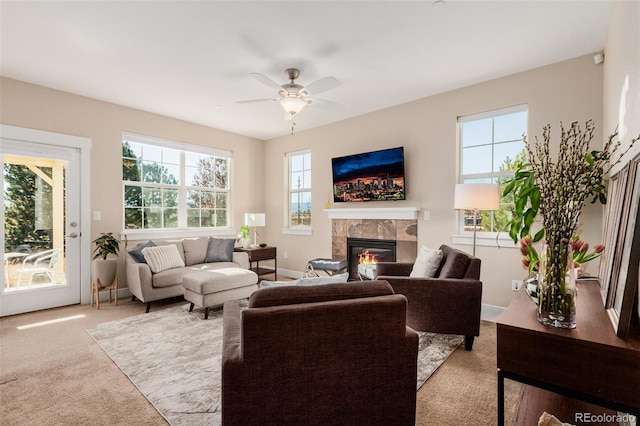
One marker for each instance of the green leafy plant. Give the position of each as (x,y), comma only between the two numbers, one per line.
(105,244)
(244,233)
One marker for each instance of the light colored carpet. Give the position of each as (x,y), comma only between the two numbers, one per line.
(173,358)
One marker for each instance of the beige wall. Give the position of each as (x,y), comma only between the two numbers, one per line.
(36,107)
(567,91)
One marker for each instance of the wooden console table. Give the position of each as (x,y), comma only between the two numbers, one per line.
(589,363)
(261,253)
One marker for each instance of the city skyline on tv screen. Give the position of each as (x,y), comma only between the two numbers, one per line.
(370,176)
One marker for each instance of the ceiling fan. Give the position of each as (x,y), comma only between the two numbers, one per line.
(293,97)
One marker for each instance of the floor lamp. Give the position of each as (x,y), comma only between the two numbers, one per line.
(255,220)
(476,196)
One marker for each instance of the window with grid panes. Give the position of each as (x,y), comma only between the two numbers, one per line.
(169,185)
(299,188)
(491,146)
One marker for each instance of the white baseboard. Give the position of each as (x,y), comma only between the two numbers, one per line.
(489,312)
(285,272)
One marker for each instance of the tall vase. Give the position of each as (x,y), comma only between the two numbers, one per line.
(557,287)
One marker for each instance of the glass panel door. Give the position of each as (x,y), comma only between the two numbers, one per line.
(40,216)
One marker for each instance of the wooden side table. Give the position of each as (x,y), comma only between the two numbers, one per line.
(588,363)
(261,253)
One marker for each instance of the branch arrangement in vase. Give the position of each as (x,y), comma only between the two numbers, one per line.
(558,190)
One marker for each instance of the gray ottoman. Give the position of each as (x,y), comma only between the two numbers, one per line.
(215,286)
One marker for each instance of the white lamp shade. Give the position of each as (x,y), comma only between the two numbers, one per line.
(292,105)
(254,219)
(481,196)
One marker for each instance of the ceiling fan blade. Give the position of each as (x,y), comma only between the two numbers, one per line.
(266,80)
(321,85)
(252,101)
(324,104)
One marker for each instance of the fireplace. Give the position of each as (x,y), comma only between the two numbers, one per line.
(368,251)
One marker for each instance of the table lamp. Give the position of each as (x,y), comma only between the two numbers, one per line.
(254,220)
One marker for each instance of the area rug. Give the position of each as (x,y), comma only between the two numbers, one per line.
(173,358)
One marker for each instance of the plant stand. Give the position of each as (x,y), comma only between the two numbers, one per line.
(96,288)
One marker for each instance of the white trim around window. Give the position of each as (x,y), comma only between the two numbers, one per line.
(165,143)
(485,239)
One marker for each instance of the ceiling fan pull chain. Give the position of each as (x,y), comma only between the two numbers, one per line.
(293,122)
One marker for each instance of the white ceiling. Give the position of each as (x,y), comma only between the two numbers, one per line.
(191,59)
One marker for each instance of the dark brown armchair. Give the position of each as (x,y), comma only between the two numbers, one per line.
(318,355)
(449,303)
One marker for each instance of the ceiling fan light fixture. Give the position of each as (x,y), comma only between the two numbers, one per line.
(292,105)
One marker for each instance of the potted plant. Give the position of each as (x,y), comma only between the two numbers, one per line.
(244,236)
(557,189)
(103,268)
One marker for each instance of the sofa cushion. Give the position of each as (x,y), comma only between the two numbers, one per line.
(195,250)
(427,263)
(333,279)
(161,258)
(137,252)
(215,280)
(177,243)
(291,295)
(220,250)
(455,265)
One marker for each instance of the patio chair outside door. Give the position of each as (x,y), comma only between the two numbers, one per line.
(41,264)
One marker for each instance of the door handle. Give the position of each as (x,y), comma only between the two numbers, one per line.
(73,235)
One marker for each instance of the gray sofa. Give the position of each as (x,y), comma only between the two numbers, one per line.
(148,287)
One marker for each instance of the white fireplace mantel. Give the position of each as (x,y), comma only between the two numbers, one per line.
(410,213)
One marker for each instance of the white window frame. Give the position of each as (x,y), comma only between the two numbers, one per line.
(182,230)
(483,238)
(299,229)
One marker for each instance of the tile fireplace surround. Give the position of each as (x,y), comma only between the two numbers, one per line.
(404,231)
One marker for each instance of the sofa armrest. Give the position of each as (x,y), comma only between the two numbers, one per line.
(231,331)
(394,269)
(232,395)
(441,305)
(241,258)
(139,278)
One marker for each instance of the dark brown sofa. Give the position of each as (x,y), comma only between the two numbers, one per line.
(319,355)
(450,303)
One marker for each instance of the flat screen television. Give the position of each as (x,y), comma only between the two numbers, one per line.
(370,176)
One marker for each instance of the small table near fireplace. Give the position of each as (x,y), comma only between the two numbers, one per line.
(256,254)
(329,266)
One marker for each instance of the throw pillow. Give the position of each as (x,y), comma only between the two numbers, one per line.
(137,252)
(161,258)
(455,266)
(427,263)
(195,250)
(220,250)
(333,279)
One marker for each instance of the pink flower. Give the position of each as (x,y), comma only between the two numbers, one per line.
(525,262)
(599,248)
(576,244)
(584,247)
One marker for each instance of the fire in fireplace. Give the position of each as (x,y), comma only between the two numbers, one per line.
(368,251)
